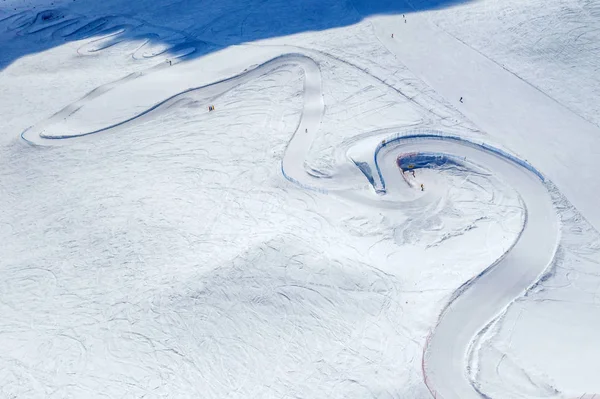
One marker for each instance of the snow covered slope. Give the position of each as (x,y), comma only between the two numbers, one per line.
(154,248)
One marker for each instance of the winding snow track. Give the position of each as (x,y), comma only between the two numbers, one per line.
(483,298)
(472,307)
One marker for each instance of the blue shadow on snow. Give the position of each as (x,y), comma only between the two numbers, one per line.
(177,27)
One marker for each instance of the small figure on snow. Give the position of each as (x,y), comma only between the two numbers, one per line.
(305,130)
(422,188)
(211,108)
(460,100)
(413,172)
(392,35)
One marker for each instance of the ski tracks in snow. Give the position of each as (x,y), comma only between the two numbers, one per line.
(473,306)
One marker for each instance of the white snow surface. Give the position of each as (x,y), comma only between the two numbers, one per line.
(151,248)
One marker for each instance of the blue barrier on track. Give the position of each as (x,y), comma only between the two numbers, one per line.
(418,160)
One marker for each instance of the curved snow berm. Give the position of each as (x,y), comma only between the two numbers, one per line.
(483,298)
(94,113)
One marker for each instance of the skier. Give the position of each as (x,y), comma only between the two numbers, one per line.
(413,172)
(422,188)
(392,35)
(460,100)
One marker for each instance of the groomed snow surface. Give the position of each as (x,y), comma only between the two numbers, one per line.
(340,226)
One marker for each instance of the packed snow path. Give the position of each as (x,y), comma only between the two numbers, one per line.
(484,297)
(474,305)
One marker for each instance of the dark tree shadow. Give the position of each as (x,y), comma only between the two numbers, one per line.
(190,27)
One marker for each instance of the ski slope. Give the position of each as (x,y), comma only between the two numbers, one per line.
(500,102)
(474,305)
(274,247)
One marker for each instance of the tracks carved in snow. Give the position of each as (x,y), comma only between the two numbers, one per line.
(476,303)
